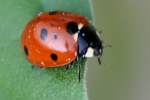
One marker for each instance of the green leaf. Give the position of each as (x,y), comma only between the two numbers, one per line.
(18,80)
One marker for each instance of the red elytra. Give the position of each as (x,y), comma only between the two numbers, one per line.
(47,42)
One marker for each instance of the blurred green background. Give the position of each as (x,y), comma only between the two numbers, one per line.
(125,70)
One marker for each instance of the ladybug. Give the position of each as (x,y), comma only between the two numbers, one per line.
(58,38)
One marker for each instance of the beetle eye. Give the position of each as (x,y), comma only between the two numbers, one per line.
(72,27)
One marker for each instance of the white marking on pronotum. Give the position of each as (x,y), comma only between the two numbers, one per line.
(90,52)
(75,36)
(80,26)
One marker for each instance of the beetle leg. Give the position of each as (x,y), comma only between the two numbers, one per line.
(68,66)
(32,66)
(78,69)
(79,72)
(99,60)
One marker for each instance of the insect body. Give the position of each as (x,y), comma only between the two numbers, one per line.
(55,39)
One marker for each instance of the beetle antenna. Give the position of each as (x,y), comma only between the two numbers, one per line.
(106,46)
(68,66)
(100,32)
(99,60)
(79,73)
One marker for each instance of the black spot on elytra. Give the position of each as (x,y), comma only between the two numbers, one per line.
(53,56)
(53,12)
(43,34)
(26,50)
(72,27)
(55,36)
